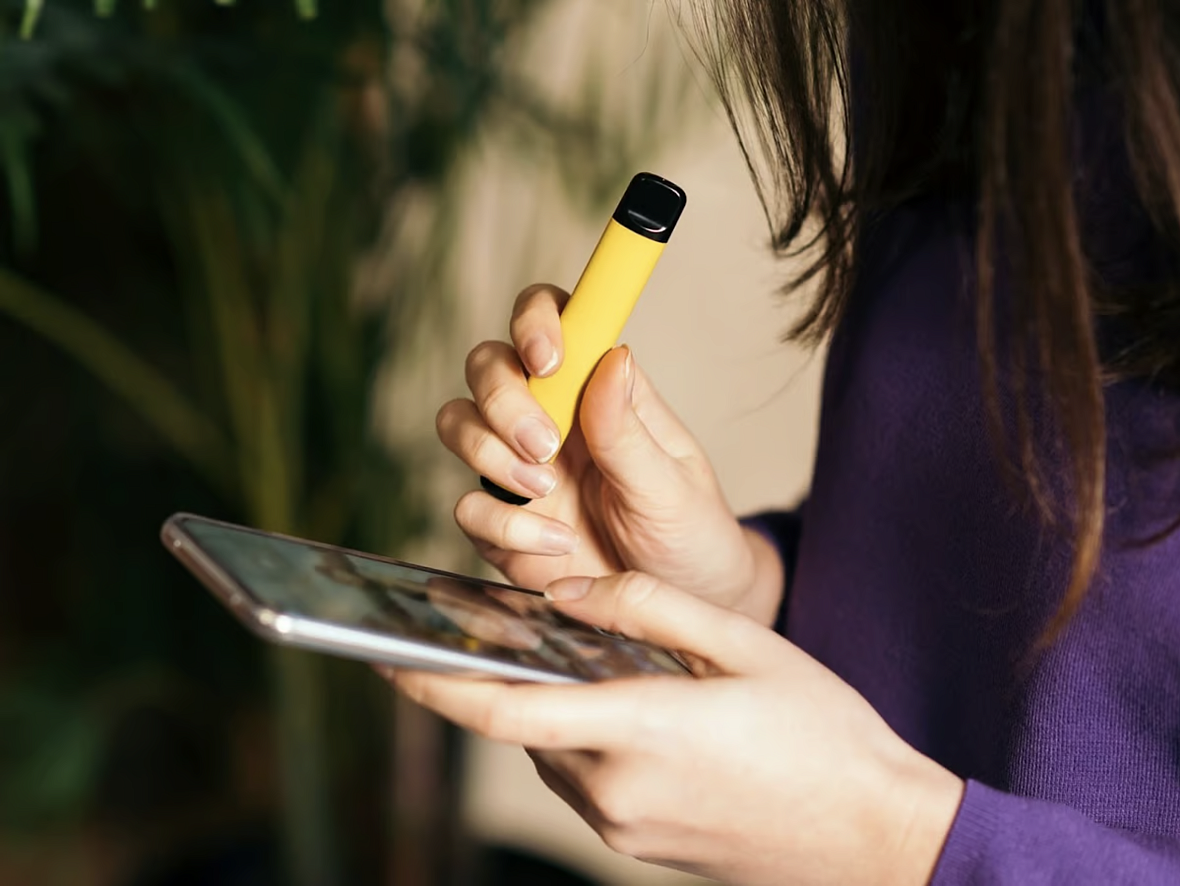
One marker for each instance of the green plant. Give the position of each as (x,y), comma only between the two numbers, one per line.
(306,9)
(188,192)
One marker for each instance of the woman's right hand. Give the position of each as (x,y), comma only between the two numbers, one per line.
(630,489)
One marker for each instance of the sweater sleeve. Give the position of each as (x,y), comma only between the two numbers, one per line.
(782,529)
(1000,839)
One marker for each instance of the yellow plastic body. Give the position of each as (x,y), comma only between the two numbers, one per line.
(594,317)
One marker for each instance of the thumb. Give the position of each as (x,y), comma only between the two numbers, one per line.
(642,607)
(632,435)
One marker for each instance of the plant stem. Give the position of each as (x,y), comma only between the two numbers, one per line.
(303,771)
(298,679)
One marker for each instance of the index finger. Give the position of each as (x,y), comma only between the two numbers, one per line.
(597,716)
(535,328)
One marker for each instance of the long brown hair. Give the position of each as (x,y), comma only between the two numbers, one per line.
(976,99)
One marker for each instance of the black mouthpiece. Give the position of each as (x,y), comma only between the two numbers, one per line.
(651,206)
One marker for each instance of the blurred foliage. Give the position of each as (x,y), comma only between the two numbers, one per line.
(187,190)
(32,11)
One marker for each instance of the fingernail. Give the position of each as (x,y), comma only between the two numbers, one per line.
(558,539)
(569,589)
(629,375)
(537,438)
(540,357)
(537,479)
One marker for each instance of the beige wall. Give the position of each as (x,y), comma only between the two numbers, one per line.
(707,331)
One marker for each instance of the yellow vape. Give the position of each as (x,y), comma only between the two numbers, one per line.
(607,292)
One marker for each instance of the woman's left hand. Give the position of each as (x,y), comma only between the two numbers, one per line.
(768,769)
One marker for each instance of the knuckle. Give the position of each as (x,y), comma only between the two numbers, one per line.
(513,527)
(481,357)
(500,722)
(698,472)
(537,294)
(614,800)
(484,524)
(491,404)
(617,839)
(482,447)
(634,590)
(467,514)
(449,417)
(525,298)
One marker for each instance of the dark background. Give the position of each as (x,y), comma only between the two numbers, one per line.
(185,192)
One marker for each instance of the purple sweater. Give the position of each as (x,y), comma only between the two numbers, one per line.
(916,576)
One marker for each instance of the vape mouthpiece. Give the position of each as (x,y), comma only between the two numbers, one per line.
(650,207)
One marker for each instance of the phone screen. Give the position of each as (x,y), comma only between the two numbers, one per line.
(347,589)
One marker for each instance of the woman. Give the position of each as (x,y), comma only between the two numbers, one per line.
(974,669)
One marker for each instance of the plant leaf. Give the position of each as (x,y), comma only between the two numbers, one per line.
(157,401)
(28,22)
(239,133)
(15,141)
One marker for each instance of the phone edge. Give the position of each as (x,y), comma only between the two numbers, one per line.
(303,633)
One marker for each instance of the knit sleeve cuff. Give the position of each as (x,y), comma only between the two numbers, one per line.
(782,529)
(980,816)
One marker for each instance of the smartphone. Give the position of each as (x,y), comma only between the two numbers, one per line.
(329,599)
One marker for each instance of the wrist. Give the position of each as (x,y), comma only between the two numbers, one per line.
(761,593)
(913,817)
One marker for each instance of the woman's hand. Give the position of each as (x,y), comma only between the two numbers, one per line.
(631,489)
(768,769)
